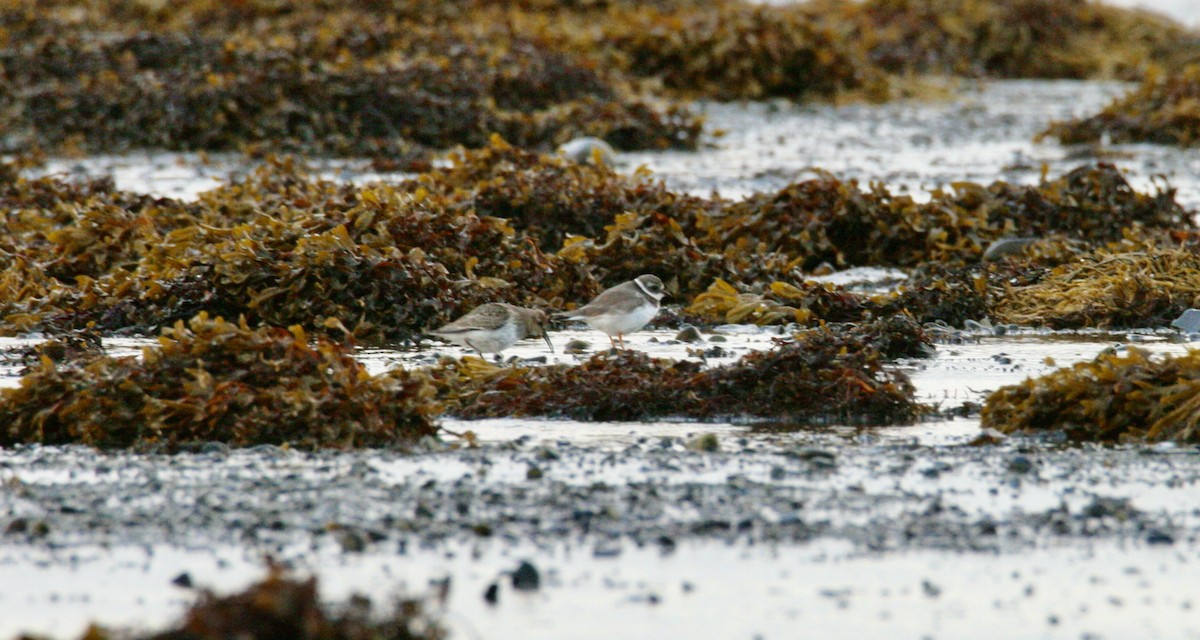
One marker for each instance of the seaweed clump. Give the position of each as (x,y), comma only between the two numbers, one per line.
(829,221)
(395,79)
(832,374)
(283,607)
(1130,397)
(384,262)
(278,247)
(1011,38)
(332,80)
(1164,109)
(1128,289)
(211,380)
(805,303)
(547,198)
(740,50)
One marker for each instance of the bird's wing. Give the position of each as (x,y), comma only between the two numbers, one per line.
(488,316)
(622,298)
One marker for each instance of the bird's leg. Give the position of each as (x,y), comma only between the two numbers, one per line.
(612,342)
(476,349)
(621,339)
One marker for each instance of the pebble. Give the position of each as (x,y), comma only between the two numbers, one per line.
(1020,464)
(704,442)
(526,577)
(606,549)
(587,150)
(577,346)
(1158,536)
(1006,247)
(735,329)
(1189,322)
(688,333)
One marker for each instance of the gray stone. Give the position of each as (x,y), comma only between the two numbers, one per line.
(526,577)
(1189,322)
(1007,247)
(587,150)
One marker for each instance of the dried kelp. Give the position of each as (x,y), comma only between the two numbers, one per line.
(280,606)
(737,50)
(211,380)
(1108,290)
(393,80)
(277,248)
(805,303)
(829,374)
(1011,38)
(322,81)
(1164,109)
(830,221)
(384,262)
(1092,203)
(827,221)
(1116,397)
(549,198)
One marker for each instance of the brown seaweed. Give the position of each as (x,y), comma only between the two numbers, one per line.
(1107,289)
(1012,38)
(211,380)
(829,374)
(280,606)
(1116,397)
(1164,109)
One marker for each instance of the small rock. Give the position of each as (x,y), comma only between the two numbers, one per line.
(182,580)
(930,589)
(1105,507)
(577,346)
(17,525)
(352,541)
(526,577)
(491,595)
(704,442)
(688,333)
(736,329)
(606,549)
(215,448)
(587,150)
(1020,465)
(987,437)
(812,453)
(972,325)
(1189,322)
(715,352)
(1158,536)
(1007,247)
(534,472)
(718,339)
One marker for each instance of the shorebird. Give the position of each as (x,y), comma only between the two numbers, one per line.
(494,327)
(622,309)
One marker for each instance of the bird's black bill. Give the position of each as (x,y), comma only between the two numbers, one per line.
(546,337)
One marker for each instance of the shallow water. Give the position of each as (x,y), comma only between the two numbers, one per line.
(903,531)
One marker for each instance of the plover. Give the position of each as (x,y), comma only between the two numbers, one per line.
(494,327)
(622,309)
